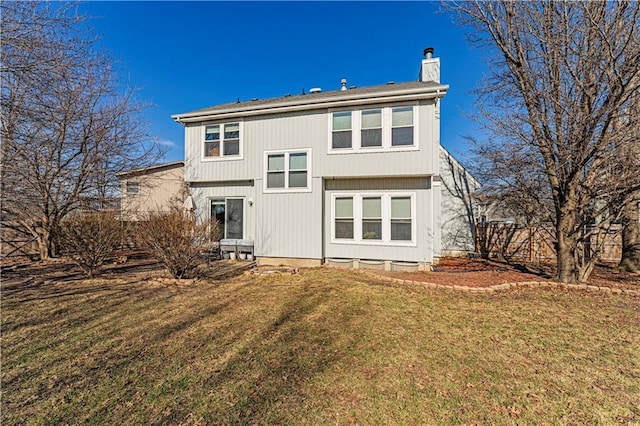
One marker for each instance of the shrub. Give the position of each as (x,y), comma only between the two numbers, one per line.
(90,239)
(177,241)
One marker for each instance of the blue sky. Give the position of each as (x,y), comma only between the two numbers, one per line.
(190,55)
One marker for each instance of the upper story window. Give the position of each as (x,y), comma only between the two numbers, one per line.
(402,126)
(222,140)
(379,129)
(341,133)
(371,133)
(132,187)
(287,171)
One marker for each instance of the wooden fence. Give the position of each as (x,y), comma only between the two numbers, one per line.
(536,244)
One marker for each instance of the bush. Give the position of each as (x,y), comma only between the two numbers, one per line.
(90,239)
(177,241)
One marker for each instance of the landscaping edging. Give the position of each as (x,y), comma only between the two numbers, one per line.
(506,286)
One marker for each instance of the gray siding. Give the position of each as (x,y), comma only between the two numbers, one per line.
(456,220)
(311,130)
(290,225)
(297,225)
(422,252)
(202,196)
(279,224)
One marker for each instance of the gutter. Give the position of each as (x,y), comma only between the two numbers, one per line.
(309,103)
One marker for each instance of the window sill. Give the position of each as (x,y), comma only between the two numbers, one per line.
(373,150)
(223,158)
(286,190)
(375,243)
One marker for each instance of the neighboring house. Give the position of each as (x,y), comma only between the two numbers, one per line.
(350,176)
(155,188)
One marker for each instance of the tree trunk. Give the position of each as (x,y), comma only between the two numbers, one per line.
(565,251)
(630,238)
(43,244)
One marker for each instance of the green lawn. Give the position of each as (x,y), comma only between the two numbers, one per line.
(320,347)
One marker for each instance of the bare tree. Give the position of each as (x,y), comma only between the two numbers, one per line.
(67,126)
(562,76)
(631,236)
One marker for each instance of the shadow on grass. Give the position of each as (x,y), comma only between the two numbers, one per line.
(228,353)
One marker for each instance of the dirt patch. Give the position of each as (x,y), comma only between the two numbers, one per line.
(483,273)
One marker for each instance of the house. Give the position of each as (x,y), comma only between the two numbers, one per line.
(156,188)
(347,177)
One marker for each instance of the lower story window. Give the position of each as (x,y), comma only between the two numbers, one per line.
(374,218)
(344,218)
(229,213)
(400,218)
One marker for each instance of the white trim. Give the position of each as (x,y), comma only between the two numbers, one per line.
(386,218)
(356,131)
(309,103)
(222,157)
(286,189)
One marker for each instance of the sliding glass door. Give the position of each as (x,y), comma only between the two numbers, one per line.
(229,212)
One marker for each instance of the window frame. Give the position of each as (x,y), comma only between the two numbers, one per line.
(226,212)
(351,218)
(287,153)
(350,130)
(386,197)
(132,182)
(381,128)
(222,157)
(386,122)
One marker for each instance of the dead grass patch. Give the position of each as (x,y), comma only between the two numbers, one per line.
(321,346)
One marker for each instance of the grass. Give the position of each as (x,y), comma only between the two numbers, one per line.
(320,347)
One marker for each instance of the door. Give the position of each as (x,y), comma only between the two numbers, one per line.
(229,213)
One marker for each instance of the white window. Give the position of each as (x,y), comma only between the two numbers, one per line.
(288,171)
(402,126)
(371,133)
(343,218)
(341,130)
(222,140)
(401,220)
(132,187)
(374,218)
(373,130)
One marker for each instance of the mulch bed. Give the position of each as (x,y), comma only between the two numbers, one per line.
(483,273)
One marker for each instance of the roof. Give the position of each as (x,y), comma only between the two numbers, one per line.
(387,92)
(151,169)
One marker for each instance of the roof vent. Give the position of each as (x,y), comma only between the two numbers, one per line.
(315,90)
(391,82)
(343,83)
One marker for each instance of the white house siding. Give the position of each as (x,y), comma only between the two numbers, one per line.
(292,225)
(203,193)
(289,224)
(421,252)
(456,226)
(310,130)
